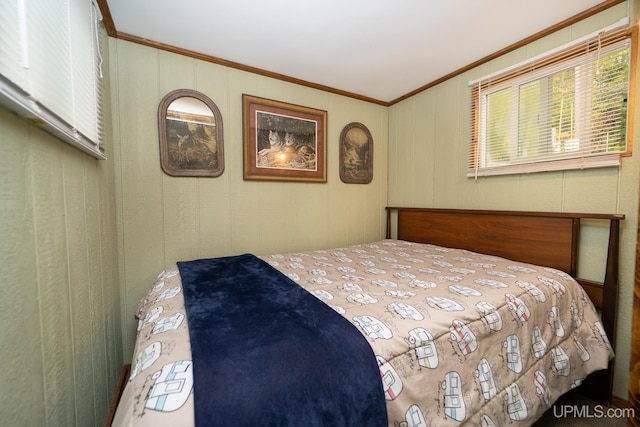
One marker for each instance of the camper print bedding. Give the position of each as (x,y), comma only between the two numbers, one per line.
(460,338)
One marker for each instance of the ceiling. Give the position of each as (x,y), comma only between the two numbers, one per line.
(376,49)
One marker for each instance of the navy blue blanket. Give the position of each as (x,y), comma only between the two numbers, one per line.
(268,353)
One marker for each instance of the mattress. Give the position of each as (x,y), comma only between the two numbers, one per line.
(460,338)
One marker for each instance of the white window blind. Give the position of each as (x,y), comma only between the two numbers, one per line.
(564,110)
(50,68)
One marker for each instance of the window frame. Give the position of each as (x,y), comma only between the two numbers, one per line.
(52,74)
(514,77)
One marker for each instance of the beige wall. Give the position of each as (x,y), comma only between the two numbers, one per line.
(429,136)
(163,219)
(61,340)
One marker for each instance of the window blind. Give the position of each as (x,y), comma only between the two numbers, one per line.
(50,68)
(565,110)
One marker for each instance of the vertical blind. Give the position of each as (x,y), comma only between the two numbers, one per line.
(50,68)
(566,110)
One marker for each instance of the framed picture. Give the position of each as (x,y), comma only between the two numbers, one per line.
(356,154)
(190,133)
(283,142)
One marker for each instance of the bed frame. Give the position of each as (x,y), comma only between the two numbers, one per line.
(543,238)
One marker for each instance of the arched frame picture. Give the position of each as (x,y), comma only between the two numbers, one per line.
(191,135)
(356,154)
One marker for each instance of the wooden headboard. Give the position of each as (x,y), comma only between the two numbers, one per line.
(544,238)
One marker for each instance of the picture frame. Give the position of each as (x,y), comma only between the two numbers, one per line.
(356,154)
(190,134)
(283,142)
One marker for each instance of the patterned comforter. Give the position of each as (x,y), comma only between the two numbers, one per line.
(460,337)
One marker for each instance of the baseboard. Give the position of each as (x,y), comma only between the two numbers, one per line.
(122,381)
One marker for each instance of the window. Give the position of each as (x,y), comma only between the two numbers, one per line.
(567,109)
(50,68)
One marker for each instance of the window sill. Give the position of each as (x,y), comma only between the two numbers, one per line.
(598,161)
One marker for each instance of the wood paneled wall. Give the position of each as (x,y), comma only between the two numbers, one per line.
(164,219)
(61,340)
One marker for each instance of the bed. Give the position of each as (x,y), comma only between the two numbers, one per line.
(468,316)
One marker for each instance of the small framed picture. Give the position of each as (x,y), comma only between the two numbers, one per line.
(356,154)
(283,142)
(191,136)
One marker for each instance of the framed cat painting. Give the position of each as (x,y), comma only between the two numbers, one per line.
(283,142)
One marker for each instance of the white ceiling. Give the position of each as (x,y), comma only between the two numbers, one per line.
(379,49)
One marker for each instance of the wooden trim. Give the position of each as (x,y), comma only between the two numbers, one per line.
(582,215)
(113,32)
(632,88)
(576,51)
(247,68)
(107,19)
(537,36)
(122,382)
